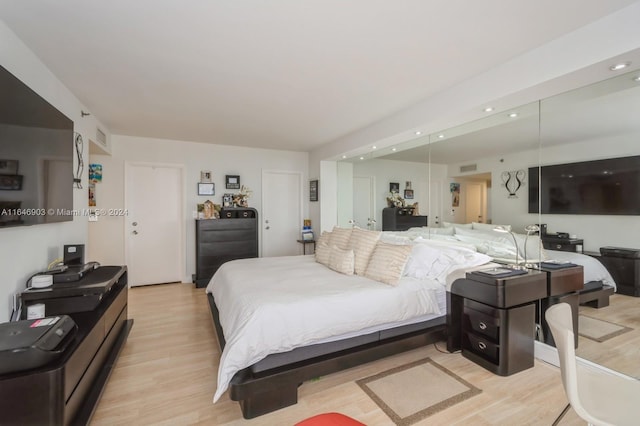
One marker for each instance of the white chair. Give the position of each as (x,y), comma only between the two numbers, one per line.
(597,396)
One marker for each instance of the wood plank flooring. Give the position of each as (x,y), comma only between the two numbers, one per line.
(166,375)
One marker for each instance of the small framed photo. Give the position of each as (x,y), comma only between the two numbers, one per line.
(408,194)
(307,236)
(205,176)
(227,200)
(10,182)
(8,167)
(232,181)
(313,190)
(205,188)
(394,187)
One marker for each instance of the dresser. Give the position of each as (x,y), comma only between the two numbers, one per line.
(233,236)
(401,219)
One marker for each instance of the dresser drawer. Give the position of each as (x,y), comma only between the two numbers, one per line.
(483,347)
(481,323)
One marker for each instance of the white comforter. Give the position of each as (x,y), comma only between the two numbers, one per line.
(271,305)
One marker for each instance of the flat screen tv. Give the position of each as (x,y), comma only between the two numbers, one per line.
(36,157)
(599,187)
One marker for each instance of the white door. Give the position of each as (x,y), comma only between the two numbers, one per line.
(363,202)
(281,213)
(434,203)
(474,203)
(153,223)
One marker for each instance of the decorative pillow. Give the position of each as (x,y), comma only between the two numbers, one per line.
(387,263)
(457,225)
(340,237)
(324,238)
(341,260)
(323,253)
(488,226)
(362,243)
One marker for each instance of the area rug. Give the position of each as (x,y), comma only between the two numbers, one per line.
(599,330)
(417,390)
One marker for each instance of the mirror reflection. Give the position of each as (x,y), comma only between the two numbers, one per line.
(495,172)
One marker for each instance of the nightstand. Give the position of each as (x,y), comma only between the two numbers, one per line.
(562,244)
(492,319)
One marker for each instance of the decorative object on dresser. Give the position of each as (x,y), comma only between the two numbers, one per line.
(67,390)
(234,236)
(401,219)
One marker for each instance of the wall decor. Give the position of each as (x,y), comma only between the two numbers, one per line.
(206,188)
(205,176)
(407,185)
(227,200)
(313,190)
(95,173)
(408,194)
(394,187)
(92,194)
(512,180)
(455,194)
(232,181)
(10,182)
(8,167)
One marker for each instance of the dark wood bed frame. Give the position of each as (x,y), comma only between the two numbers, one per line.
(277,388)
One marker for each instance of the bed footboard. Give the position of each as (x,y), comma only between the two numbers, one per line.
(278,388)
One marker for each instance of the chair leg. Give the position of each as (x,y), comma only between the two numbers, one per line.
(555,423)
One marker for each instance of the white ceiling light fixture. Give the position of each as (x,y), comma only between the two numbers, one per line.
(418,133)
(344,156)
(488,109)
(637,78)
(513,115)
(374,147)
(394,149)
(441,135)
(362,158)
(620,66)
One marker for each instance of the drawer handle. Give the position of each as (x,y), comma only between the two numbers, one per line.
(482,326)
(482,346)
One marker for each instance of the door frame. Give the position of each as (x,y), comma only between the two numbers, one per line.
(128,165)
(264,172)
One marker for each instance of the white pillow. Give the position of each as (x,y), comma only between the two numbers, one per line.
(488,226)
(340,237)
(322,253)
(341,260)
(362,242)
(457,225)
(387,263)
(324,238)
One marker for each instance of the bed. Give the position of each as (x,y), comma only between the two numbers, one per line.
(284,320)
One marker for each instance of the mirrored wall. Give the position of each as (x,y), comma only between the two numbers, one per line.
(494,171)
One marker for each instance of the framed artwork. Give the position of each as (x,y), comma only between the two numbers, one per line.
(408,194)
(8,167)
(227,200)
(455,194)
(10,182)
(205,176)
(95,173)
(394,187)
(232,181)
(313,190)
(206,188)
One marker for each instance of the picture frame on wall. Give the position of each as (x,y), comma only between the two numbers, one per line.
(10,182)
(394,187)
(408,194)
(313,190)
(205,176)
(8,167)
(206,188)
(232,181)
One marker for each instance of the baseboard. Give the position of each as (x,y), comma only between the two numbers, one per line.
(546,353)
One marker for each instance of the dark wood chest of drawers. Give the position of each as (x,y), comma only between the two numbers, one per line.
(221,240)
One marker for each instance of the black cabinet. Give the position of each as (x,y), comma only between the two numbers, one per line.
(67,390)
(562,244)
(624,266)
(401,219)
(492,320)
(233,236)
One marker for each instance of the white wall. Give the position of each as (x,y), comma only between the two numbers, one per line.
(107,236)
(27,250)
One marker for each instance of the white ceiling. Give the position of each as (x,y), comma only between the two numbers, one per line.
(283,74)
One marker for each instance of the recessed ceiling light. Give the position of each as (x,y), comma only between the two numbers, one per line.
(362,158)
(394,149)
(374,147)
(344,156)
(488,109)
(618,67)
(418,133)
(636,78)
(513,115)
(441,136)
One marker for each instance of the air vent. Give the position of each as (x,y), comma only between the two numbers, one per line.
(101,137)
(468,168)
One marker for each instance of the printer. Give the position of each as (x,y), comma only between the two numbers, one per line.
(32,343)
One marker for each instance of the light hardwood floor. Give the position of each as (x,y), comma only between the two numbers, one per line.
(167,371)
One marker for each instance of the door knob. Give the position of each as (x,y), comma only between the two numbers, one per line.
(135,223)
(266,221)
(267,227)
(135,232)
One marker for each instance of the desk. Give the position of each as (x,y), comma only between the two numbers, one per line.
(304,245)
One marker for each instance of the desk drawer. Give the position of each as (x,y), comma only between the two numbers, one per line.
(483,347)
(482,324)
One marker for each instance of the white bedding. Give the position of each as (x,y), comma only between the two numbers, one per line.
(271,305)
(593,269)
